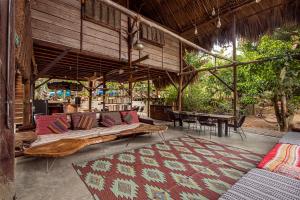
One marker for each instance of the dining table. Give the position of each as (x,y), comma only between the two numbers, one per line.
(222,119)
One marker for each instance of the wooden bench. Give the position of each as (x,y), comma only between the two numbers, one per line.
(65,147)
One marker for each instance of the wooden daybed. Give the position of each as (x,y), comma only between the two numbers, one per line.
(68,146)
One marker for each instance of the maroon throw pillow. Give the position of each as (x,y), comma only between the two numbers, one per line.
(43,121)
(86,122)
(108,121)
(130,117)
(59,126)
(77,116)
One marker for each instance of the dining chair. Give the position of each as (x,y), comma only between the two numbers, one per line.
(240,130)
(185,117)
(173,116)
(207,122)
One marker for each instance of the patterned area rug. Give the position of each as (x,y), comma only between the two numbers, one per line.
(187,168)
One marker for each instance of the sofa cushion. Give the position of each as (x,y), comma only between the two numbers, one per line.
(77,116)
(43,121)
(68,118)
(108,121)
(59,126)
(86,122)
(287,154)
(130,117)
(114,115)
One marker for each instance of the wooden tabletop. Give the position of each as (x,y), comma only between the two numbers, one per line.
(216,116)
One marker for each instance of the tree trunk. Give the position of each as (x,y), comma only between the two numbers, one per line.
(280,107)
(285,124)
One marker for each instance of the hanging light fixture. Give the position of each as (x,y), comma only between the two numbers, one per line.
(121,71)
(138,45)
(213,13)
(219,24)
(196,30)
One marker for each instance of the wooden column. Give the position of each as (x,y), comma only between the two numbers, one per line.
(148,95)
(235,95)
(27,112)
(104,91)
(90,95)
(130,49)
(180,80)
(7,93)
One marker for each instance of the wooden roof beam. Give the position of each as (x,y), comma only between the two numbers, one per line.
(159,27)
(52,64)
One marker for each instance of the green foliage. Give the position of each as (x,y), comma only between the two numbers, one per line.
(256,82)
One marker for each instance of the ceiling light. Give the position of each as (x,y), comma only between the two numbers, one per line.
(138,46)
(213,13)
(121,71)
(257,1)
(219,24)
(196,30)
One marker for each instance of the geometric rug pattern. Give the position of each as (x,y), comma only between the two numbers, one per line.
(187,168)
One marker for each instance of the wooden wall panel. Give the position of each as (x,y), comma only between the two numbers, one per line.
(171,53)
(100,39)
(58,21)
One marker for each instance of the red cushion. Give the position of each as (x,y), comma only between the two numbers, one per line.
(59,126)
(86,122)
(108,121)
(43,121)
(77,116)
(133,119)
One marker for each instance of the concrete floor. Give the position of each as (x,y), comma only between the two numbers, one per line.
(63,183)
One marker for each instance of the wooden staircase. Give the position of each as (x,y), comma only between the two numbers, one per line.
(19,100)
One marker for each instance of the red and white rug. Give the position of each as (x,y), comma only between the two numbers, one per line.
(187,168)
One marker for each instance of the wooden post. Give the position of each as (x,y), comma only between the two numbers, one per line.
(130,48)
(130,90)
(90,95)
(7,93)
(27,103)
(180,80)
(235,95)
(104,91)
(148,95)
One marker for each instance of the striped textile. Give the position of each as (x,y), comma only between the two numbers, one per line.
(281,154)
(86,122)
(71,134)
(260,184)
(59,126)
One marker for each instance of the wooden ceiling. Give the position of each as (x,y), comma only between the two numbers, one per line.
(83,65)
(253,18)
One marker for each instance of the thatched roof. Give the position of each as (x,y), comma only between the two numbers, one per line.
(253,19)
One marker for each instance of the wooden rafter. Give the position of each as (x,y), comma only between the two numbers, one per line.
(43,83)
(221,80)
(140,59)
(172,80)
(52,64)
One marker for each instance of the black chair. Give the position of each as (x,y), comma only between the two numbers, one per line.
(207,122)
(239,128)
(173,116)
(137,108)
(184,117)
(142,109)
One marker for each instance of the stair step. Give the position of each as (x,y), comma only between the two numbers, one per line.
(19,115)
